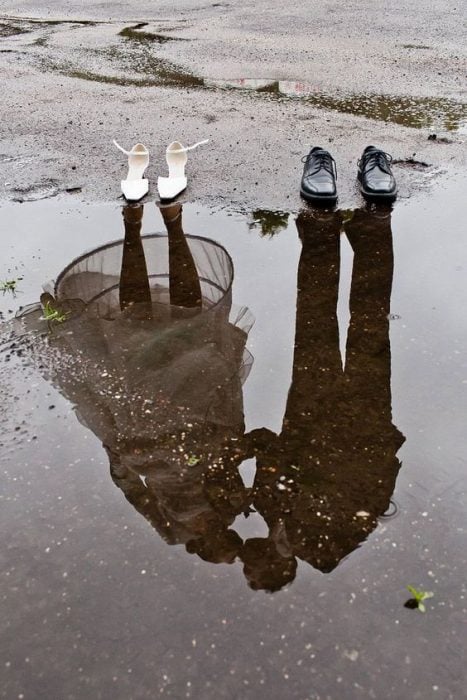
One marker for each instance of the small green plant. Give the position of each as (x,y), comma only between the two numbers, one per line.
(51,314)
(418,598)
(8,286)
(193,460)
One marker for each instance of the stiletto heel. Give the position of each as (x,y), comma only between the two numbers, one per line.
(135,186)
(176,157)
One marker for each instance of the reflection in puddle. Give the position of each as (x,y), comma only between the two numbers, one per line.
(269,222)
(323,482)
(152,355)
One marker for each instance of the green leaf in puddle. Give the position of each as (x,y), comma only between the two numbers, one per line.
(419,596)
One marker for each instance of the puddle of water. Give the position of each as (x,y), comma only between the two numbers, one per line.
(150,71)
(281,483)
(166,75)
(134,33)
(416,112)
(416,46)
(419,113)
(7,29)
(52,22)
(133,62)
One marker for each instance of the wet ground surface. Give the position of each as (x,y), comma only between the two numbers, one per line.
(169,575)
(338,76)
(244,522)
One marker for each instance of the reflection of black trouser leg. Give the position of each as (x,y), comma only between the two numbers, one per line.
(368,356)
(134,282)
(317,362)
(368,361)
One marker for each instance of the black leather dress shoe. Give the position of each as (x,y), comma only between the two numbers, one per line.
(374,174)
(319,177)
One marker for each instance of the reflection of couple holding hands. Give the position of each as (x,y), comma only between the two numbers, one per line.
(156,370)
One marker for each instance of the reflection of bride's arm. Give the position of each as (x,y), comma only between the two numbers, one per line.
(136,493)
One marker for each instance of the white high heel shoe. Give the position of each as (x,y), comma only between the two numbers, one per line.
(135,186)
(176,157)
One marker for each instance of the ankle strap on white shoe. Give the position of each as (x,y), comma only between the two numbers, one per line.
(189,148)
(131,153)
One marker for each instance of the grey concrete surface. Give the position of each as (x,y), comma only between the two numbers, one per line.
(69,88)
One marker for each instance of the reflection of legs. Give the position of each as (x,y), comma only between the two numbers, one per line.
(134,282)
(317,362)
(331,472)
(286,470)
(368,365)
(185,289)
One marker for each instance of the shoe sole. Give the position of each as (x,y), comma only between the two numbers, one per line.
(377,196)
(319,198)
(381,197)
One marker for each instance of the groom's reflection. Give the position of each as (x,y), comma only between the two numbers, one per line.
(324,480)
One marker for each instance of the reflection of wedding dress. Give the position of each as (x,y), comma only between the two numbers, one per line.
(109,360)
(162,391)
(131,378)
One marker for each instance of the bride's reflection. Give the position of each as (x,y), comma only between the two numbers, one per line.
(322,483)
(183,477)
(153,357)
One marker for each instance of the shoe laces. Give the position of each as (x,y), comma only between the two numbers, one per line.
(376,159)
(323,160)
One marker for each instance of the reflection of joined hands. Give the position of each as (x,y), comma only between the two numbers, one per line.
(258,439)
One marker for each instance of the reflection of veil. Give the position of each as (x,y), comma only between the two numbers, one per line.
(323,482)
(153,358)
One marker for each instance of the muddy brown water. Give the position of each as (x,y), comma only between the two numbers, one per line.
(262,547)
